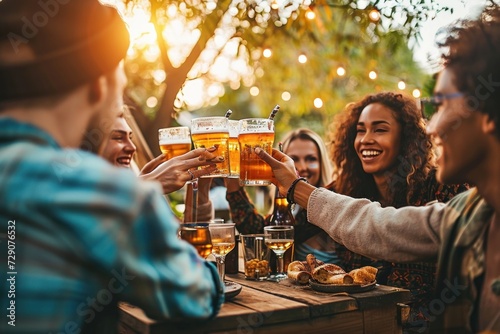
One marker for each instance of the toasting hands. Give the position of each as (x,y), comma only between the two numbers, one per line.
(174,173)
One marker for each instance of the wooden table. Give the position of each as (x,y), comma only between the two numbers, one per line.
(269,307)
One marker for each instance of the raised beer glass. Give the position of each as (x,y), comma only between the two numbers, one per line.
(213,131)
(174,141)
(255,132)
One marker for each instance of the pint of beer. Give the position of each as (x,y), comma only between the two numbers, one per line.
(174,141)
(234,149)
(213,131)
(255,132)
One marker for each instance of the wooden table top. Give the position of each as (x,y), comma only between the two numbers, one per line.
(285,308)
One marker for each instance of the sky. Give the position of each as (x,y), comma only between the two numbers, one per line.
(461,8)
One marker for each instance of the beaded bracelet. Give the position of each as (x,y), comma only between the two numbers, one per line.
(291,190)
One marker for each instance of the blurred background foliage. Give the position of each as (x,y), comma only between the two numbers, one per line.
(202,57)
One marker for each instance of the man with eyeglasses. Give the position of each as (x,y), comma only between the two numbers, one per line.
(464,234)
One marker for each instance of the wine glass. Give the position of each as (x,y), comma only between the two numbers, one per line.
(198,235)
(279,239)
(223,242)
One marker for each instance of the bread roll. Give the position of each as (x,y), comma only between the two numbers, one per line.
(364,275)
(297,272)
(296,266)
(340,279)
(300,277)
(325,272)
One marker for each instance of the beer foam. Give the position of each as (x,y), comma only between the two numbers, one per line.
(204,131)
(167,141)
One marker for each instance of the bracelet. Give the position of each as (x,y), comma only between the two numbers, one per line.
(291,190)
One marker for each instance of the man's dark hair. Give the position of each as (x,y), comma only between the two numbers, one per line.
(472,52)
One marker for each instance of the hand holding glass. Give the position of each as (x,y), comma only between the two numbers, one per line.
(223,242)
(279,239)
(213,131)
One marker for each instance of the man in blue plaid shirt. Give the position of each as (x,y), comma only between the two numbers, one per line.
(78,235)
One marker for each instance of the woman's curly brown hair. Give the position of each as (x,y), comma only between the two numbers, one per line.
(414,162)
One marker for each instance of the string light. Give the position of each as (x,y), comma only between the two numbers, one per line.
(372,75)
(267,53)
(310,15)
(302,59)
(341,71)
(416,93)
(318,103)
(401,84)
(254,91)
(374,15)
(286,96)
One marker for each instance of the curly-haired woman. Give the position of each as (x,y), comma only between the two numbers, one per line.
(380,151)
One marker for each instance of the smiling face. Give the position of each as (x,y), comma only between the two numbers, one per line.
(378,137)
(457,131)
(306,157)
(119,148)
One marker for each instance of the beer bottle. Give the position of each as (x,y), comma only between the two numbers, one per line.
(281,216)
(232,257)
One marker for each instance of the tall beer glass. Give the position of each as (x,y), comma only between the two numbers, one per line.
(213,131)
(255,132)
(234,149)
(174,141)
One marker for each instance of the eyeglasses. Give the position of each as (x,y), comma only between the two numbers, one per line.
(434,102)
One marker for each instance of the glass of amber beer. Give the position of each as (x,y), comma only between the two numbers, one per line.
(198,235)
(255,132)
(174,141)
(213,131)
(234,149)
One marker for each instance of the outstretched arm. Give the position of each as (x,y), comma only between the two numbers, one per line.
(174,173)
(399,235)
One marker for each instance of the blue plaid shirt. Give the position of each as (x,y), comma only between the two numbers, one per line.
(84,235)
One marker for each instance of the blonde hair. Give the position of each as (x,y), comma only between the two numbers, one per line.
(326,173)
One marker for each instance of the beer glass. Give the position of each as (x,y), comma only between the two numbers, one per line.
(223,242)
(212,131)
(174,141)
(255,132)
(234,150)
(279,238)
(198,235)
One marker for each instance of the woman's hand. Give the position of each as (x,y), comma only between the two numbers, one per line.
(174,173)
